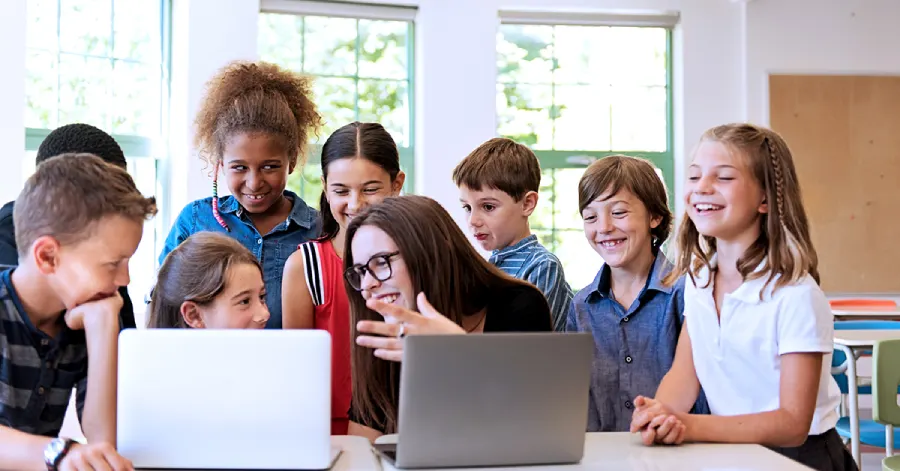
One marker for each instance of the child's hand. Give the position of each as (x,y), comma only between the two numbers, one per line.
(92,313)
(93,457)
(656,422)
(388,337)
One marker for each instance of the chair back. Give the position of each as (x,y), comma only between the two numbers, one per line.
(885,380)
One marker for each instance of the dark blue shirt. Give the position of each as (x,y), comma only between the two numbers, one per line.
(633,348)
(37,372)
(272,249)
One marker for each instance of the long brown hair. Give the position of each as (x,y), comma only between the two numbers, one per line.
(442,263)
(195,271)
(784,241)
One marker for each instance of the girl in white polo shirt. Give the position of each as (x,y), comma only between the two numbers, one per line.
(758,329)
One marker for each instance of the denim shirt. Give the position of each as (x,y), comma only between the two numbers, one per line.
(272,249)
(633,348)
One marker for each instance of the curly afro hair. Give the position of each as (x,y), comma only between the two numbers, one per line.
(81,138)
(256,97)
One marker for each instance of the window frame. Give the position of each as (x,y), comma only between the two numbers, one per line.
(140,147)
(360,11)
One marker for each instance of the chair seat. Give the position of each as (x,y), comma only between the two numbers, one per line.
(870,432)
(891,463)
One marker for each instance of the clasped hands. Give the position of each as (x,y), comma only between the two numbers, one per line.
(656,422)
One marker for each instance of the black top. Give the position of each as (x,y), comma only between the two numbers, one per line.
(517,308)
(9,255)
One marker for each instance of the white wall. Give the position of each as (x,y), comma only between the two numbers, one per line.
(12,98)
(818,37)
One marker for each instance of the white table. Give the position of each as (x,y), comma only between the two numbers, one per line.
(852,342)
(865,315)
(623,451)
(357,455)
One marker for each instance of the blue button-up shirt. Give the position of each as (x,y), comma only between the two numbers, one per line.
(530,261)
(633,348)
(272,249)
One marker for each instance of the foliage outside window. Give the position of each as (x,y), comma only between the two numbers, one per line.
(579,93)
(362,71)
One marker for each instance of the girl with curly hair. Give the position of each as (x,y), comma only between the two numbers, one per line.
(252,129)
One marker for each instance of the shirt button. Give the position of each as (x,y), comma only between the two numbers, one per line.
(45,342)
(41,391)
(628,404)
(48,365)
(628,359)
(259,241)
(625,319)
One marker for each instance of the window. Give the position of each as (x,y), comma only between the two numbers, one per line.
(362,60)
(104,63)
(574,94)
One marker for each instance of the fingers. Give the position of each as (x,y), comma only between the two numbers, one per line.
(399,313)
(425,307)
(390,355)
(386,343)
(675,434)
(116,461)
(664,425)
(379,328)
(648,436)
(641,419)
(640,401)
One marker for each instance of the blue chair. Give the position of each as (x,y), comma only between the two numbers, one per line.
(870,432)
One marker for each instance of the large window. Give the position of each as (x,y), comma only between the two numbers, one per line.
(104,63)
(362,67)
(576,94)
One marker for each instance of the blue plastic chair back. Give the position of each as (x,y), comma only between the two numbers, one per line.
(839,358)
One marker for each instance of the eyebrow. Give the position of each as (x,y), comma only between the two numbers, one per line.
(487,199)
(242,293)
(716,167)
(264,162)
(370,182)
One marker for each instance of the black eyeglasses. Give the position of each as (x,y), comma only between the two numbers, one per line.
(379,266)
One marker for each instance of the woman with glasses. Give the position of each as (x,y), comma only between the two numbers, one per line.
(410,270)
(360,166)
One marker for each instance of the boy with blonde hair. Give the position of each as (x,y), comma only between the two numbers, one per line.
(78,221)
(498,187)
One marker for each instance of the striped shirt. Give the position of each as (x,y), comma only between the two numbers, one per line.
(37,372)
(530,261)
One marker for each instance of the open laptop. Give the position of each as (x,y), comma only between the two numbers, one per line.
(502,399)
(225,399)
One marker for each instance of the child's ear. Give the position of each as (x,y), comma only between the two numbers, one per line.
(398,182)
(45,252)
(529,202)
(655,221)
(191,315)
(764,206)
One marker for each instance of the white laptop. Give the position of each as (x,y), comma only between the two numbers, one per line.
(225,399)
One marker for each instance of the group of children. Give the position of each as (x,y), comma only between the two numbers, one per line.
(371,267)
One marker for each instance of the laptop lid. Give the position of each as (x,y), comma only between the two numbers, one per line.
(493,399)
(225,399)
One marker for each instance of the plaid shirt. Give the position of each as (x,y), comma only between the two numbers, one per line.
(530,261)
(37,372)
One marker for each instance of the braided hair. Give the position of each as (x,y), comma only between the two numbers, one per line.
(255,97)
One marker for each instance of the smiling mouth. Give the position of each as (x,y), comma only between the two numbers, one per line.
(258,197)
(612,243)
(389,298)
(707,207)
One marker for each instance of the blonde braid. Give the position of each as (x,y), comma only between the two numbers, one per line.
(779,180)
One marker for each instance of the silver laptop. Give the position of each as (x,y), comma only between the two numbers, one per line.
(225,399)
(502,399)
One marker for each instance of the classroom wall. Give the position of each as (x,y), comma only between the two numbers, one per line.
(723,50)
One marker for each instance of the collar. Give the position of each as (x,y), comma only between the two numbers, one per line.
(751,291)
(517,247)
(660,268)
(65,334)
(301,214)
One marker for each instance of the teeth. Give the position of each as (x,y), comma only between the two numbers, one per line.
(707,207)
(611,243)
(255,197)
(390,299)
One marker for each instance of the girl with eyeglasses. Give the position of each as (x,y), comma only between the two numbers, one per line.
(410,270)
(360,166)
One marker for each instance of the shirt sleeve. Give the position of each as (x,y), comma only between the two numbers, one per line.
(548,276)
(180,231)
(805,321)
(572,319)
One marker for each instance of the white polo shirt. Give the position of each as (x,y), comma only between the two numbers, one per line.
(738,362)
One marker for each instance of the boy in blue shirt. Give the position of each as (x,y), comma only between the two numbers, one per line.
(78,221)
(498,188)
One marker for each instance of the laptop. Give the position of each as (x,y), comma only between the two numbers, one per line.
(225,399)
(499,399)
